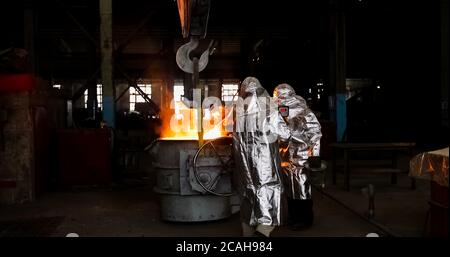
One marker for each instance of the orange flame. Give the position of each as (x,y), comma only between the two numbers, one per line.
(181,123)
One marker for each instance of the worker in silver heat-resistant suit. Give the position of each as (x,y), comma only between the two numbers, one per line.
(258,127)
(304,142)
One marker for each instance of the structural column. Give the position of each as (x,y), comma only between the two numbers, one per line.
(337,73)
(106,48)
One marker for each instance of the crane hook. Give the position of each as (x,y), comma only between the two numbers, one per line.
(184,61)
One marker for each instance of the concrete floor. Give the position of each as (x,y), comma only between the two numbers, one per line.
(132,209)
(397,207)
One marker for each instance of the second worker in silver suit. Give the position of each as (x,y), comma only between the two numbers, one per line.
(304,142)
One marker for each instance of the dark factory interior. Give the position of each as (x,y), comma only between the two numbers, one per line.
(213,118)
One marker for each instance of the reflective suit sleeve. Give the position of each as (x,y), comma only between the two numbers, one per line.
(313,133)
(283,131)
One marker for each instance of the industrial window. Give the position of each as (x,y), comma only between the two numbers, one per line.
(229,91)
(135,97)
(99,96)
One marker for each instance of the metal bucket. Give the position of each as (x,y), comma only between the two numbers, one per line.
(179,202)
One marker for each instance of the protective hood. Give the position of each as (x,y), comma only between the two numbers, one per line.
(285,95)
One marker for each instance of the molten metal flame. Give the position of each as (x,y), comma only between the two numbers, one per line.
(182,124)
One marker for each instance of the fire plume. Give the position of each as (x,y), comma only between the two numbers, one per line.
(181,123)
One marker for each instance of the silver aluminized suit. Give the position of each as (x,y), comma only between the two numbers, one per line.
(256,153)
(304,142)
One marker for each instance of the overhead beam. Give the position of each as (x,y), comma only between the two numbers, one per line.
(123,93)
(133,34)
(107,61)
(76,22)
(132,83)
(85,86)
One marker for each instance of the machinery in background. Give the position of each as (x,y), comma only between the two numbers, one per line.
(134,131)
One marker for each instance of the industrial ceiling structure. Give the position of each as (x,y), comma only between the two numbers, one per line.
(391,43)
